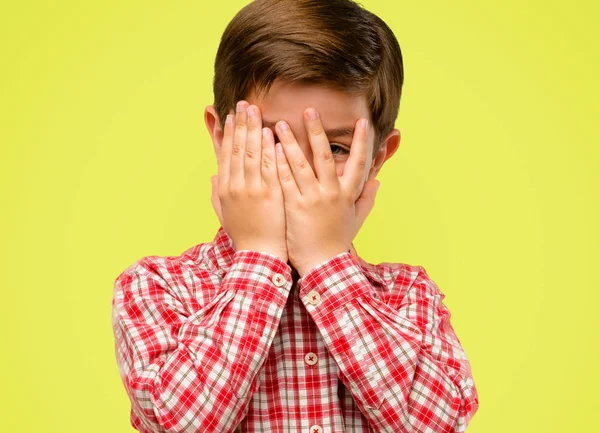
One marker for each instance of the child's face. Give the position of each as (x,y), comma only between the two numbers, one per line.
(338,110)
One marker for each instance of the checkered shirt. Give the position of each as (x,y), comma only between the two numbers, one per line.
(219,340)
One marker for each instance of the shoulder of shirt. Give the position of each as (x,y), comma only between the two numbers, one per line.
(396,279)
(196,259)
(191,279)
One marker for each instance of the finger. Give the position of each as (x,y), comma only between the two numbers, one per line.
(224,158)
(239,145)
(321,150)
(214,198)
(217,145)
(286,178)
(269,161)
(354,171)
(297,162)
(252,158)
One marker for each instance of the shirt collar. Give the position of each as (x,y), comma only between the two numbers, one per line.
(224,250)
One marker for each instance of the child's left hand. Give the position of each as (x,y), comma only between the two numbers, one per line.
(323,213)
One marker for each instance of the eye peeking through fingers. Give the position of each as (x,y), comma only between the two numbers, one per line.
(340,150)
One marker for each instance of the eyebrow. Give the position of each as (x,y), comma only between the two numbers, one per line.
(330,133)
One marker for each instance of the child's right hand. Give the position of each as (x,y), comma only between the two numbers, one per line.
(250,195)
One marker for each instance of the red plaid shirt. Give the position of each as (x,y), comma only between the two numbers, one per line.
(219,340)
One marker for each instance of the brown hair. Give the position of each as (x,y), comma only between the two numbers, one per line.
(336,43)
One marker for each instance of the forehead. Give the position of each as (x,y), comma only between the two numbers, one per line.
(287,101)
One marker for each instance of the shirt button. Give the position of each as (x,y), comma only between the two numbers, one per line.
(313,297)
(278,280)
(316,429)
(310,358)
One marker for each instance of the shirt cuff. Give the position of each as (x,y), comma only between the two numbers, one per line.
(333,283)
(259,272)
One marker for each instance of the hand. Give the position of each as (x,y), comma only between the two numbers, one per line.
(248,198)
(324,213)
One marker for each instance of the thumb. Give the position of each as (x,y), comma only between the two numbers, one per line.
(214,198)
(366,201)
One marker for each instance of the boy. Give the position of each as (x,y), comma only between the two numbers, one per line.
(277,325)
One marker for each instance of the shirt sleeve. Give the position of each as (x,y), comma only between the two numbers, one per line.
(398,356)
(196,371)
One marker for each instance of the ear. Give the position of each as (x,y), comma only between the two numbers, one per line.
(388,147)
(213,124)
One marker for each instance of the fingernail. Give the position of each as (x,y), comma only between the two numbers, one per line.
(283,126)
(229,118)
(364,123)
(251,111)
(312,113)
(378,185)
(241,106)
(279,148)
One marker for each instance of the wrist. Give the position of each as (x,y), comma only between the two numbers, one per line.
(304,266)
(264,249)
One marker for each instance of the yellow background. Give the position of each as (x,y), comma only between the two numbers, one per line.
(494,190)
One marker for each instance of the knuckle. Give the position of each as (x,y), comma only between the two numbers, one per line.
(253,125)
(317,129)
(287,177)
(236,191)
(326,155)
(251,153)
(267,162)
(333,195)
(255,192)
(309,202)
(301,164)
(236,149)
(223,156)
